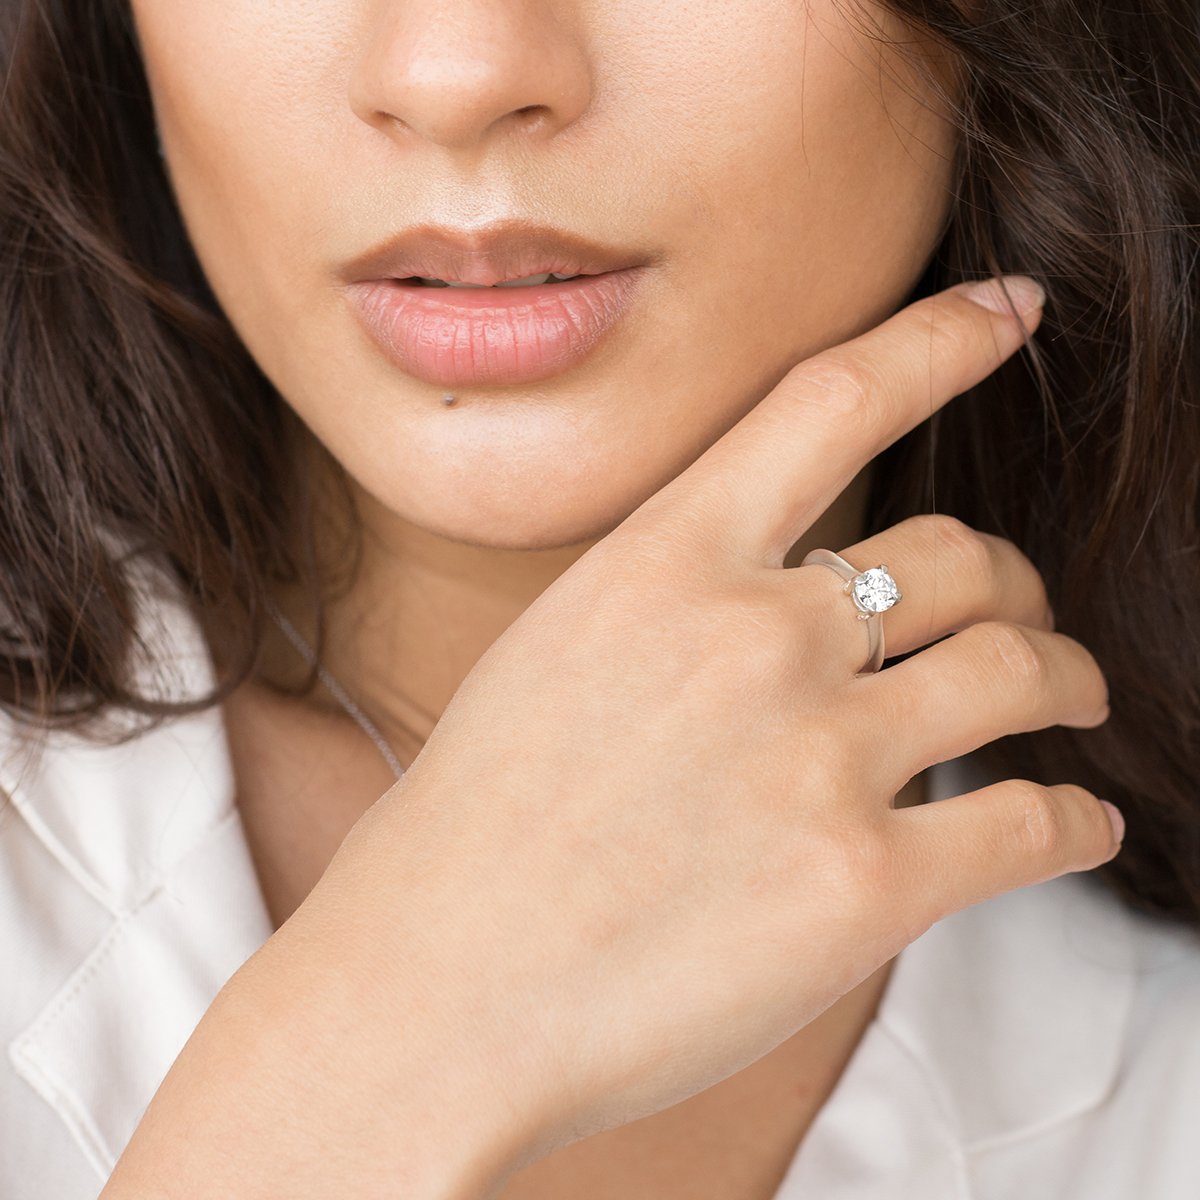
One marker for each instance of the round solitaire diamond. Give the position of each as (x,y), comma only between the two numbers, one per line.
(875,590)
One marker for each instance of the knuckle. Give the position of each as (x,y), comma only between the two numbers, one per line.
(970,551)
(985,562)
(1011,650)
(1038,820)
(845,387)
(863,863)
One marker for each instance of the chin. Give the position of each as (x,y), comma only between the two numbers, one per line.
(539,479)
(520,526)
(502,510)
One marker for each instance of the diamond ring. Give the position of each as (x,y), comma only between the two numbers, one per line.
(873,591)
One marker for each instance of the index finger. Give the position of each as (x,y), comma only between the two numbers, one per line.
(770,476)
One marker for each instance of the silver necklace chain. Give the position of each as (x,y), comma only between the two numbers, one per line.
(364,722)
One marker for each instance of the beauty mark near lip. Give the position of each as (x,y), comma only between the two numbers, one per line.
(461,336)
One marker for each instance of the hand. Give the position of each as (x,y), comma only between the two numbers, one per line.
(653,834)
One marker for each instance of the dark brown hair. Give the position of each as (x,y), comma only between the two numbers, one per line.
(129,404)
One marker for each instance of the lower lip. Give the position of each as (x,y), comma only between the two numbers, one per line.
(458,336)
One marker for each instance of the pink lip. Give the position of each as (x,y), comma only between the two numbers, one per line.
(459,336)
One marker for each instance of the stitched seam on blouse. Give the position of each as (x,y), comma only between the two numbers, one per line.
(22,1049)
(942,1102)
(65,858)
(85,970)
(991,1141)
(48,1083)
(95,959)
(998,1141)
(78,1123)
(150,882)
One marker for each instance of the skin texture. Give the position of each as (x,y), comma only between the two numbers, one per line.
(789,176)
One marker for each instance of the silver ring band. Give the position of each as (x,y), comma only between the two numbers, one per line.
(873,592)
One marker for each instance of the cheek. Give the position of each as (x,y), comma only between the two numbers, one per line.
(242,97)
(825,168)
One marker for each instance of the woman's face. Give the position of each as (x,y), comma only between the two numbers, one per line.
(780,172)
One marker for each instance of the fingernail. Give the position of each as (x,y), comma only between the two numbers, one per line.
(1026,294)
(1115,819)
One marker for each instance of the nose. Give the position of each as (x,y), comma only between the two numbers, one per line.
(460,73)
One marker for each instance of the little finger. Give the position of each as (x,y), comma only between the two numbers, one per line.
(1007,835)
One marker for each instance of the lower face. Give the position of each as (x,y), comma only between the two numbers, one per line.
(780,171)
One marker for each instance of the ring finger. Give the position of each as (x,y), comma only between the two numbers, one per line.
(950,576)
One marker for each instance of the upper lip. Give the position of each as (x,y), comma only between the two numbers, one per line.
(511,249)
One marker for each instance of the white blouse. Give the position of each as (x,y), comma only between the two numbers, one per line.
(1042,1045)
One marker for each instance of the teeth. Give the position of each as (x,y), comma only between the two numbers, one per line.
(528,281)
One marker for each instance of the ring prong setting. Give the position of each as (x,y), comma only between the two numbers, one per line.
(874,591)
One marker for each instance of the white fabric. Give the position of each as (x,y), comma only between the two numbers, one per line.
(1043,1044)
